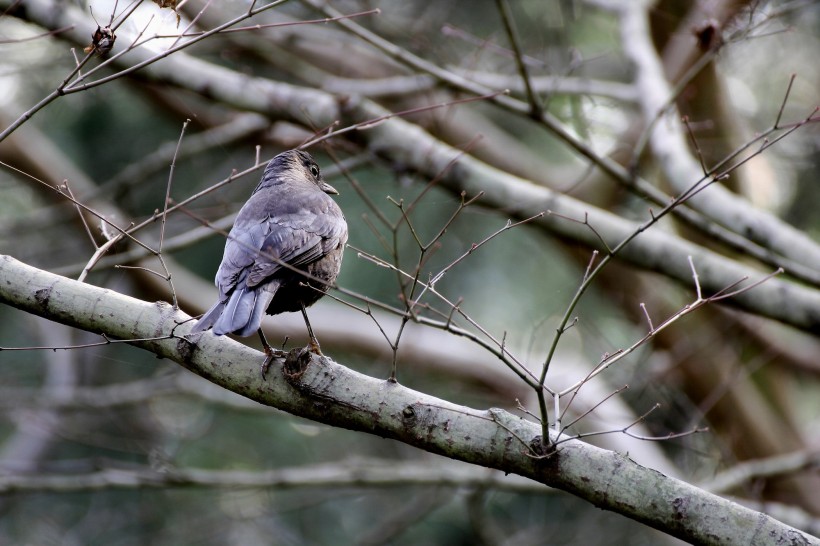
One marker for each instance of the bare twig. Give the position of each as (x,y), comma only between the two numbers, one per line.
(46,34)
(537,110)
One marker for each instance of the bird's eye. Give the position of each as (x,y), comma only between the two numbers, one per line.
(314,170)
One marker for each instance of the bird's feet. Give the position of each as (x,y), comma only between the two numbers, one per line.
(270,354)
(313,347)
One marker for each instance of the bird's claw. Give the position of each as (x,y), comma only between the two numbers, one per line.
(265,365)
(270,354)
(314,348)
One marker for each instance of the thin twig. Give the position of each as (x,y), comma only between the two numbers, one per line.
(537,110)
(785,100)
(588,411)
(107,341)
(168,186)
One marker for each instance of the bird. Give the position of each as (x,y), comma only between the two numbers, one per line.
(283,253)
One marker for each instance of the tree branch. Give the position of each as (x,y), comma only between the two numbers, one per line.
(319,389)
(668,143)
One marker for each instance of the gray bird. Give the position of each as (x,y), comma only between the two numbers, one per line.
(289,225)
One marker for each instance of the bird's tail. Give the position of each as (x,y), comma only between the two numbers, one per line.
(241,314)
(209,318)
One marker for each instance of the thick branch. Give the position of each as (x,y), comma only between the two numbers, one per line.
(366,473)
(668,142)
(330,393)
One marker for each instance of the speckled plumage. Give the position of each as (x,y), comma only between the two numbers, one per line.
(290,219)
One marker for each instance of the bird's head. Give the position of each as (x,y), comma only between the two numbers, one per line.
(294,165)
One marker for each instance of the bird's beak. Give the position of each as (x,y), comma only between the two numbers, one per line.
(327,188)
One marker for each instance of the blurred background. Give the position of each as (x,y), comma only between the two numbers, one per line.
(72,419)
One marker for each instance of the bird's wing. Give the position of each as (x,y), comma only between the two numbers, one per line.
(241,251)
(295,231)
(297,239)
